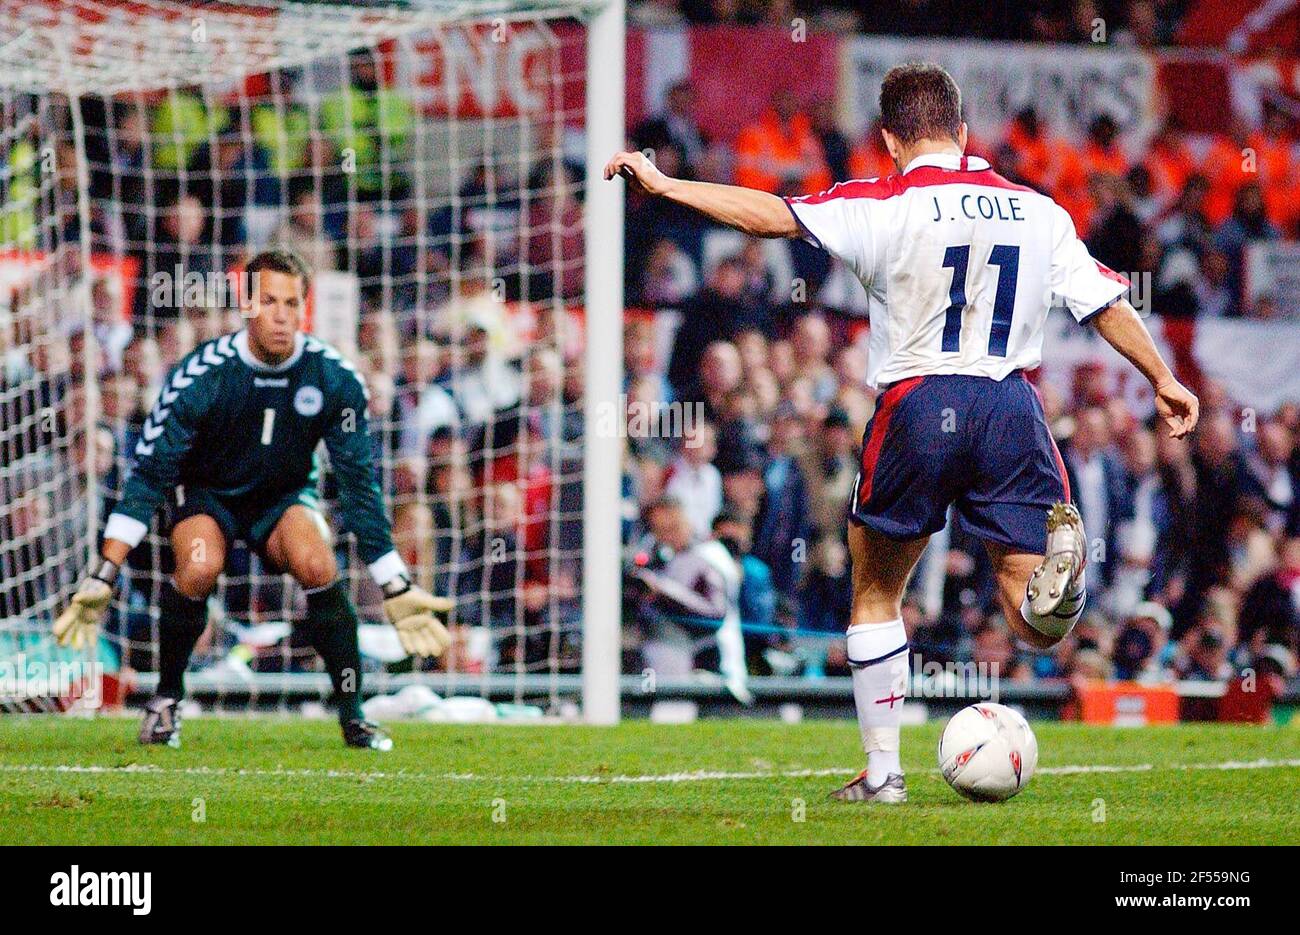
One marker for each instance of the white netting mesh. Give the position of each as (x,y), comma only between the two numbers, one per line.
(423,162)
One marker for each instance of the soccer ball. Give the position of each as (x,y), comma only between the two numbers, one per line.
(988,752)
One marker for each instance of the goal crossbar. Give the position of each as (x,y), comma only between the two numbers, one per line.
(117,46)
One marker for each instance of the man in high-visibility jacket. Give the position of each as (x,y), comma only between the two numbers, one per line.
(780,153)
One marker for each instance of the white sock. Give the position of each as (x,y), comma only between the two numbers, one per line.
(878,661)
(1066,615)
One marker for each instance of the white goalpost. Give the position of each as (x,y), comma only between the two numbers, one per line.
(437,163)
(602,465)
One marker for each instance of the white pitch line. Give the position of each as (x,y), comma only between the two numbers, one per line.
(615,779)
(369,775)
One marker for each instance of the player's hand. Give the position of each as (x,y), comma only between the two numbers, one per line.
(411,610)
(637,168)
(78,625)
(1178,406)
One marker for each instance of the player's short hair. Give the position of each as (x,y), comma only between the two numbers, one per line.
(280,260)
(920,101)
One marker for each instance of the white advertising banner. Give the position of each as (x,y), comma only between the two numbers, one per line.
(1258,362)
(1068,85)
(1273,276)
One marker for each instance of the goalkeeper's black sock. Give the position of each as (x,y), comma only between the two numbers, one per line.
(182,623)
(331,629)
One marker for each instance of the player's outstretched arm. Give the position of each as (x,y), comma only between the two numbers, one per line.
(1123,330)
(759,214)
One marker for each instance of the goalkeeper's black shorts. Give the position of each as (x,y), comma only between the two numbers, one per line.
(240,517)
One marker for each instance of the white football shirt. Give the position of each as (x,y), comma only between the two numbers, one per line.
(960,266)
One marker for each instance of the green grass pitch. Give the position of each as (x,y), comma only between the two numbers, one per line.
(268,780)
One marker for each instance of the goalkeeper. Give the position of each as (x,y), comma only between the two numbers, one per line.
(231,443)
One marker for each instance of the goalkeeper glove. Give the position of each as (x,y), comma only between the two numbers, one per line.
(78,625)
(410,609)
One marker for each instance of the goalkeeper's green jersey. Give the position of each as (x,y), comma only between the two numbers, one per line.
(248,432)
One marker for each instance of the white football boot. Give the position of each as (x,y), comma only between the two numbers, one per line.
(890,792)
(1059,578)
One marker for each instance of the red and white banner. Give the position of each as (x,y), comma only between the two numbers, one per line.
(501,71)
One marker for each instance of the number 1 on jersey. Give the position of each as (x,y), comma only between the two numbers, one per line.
(1007,259)
(268,425)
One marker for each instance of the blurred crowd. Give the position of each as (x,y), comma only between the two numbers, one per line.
(1196,564)
(745,387)
(1194,546)
(1145,23)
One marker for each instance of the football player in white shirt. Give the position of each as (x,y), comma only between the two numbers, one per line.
(960,267)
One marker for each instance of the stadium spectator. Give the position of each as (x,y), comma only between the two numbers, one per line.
(1026,154)
(685,597)
(120,178)
(1249,222)
(1230,163)
(1270,608)
(1274,145)
(719,311)
(555,223)
(835,147)
(374,124)
(756,599)
(675,126)
(782,528)
(1273,470)
(231,178)
(1187,224)
(1170,164)
(180,250)
(810,343)
(781,153)
(304,232)
(1142,644)
(669,278)
(1203,653)
(1117,232)
(694,481)
(1102,154)
(869,158)
(1212,286)
(1097,486)
(649,220)
(324,162)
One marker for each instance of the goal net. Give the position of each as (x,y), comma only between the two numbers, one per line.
(426,161)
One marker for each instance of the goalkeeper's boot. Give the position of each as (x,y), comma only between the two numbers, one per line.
(367,735)
(890,792)
(1057,584)
(162,722)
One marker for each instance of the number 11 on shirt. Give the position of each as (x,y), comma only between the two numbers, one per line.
(1007,259)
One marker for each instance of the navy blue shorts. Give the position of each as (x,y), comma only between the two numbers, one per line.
(979,443)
